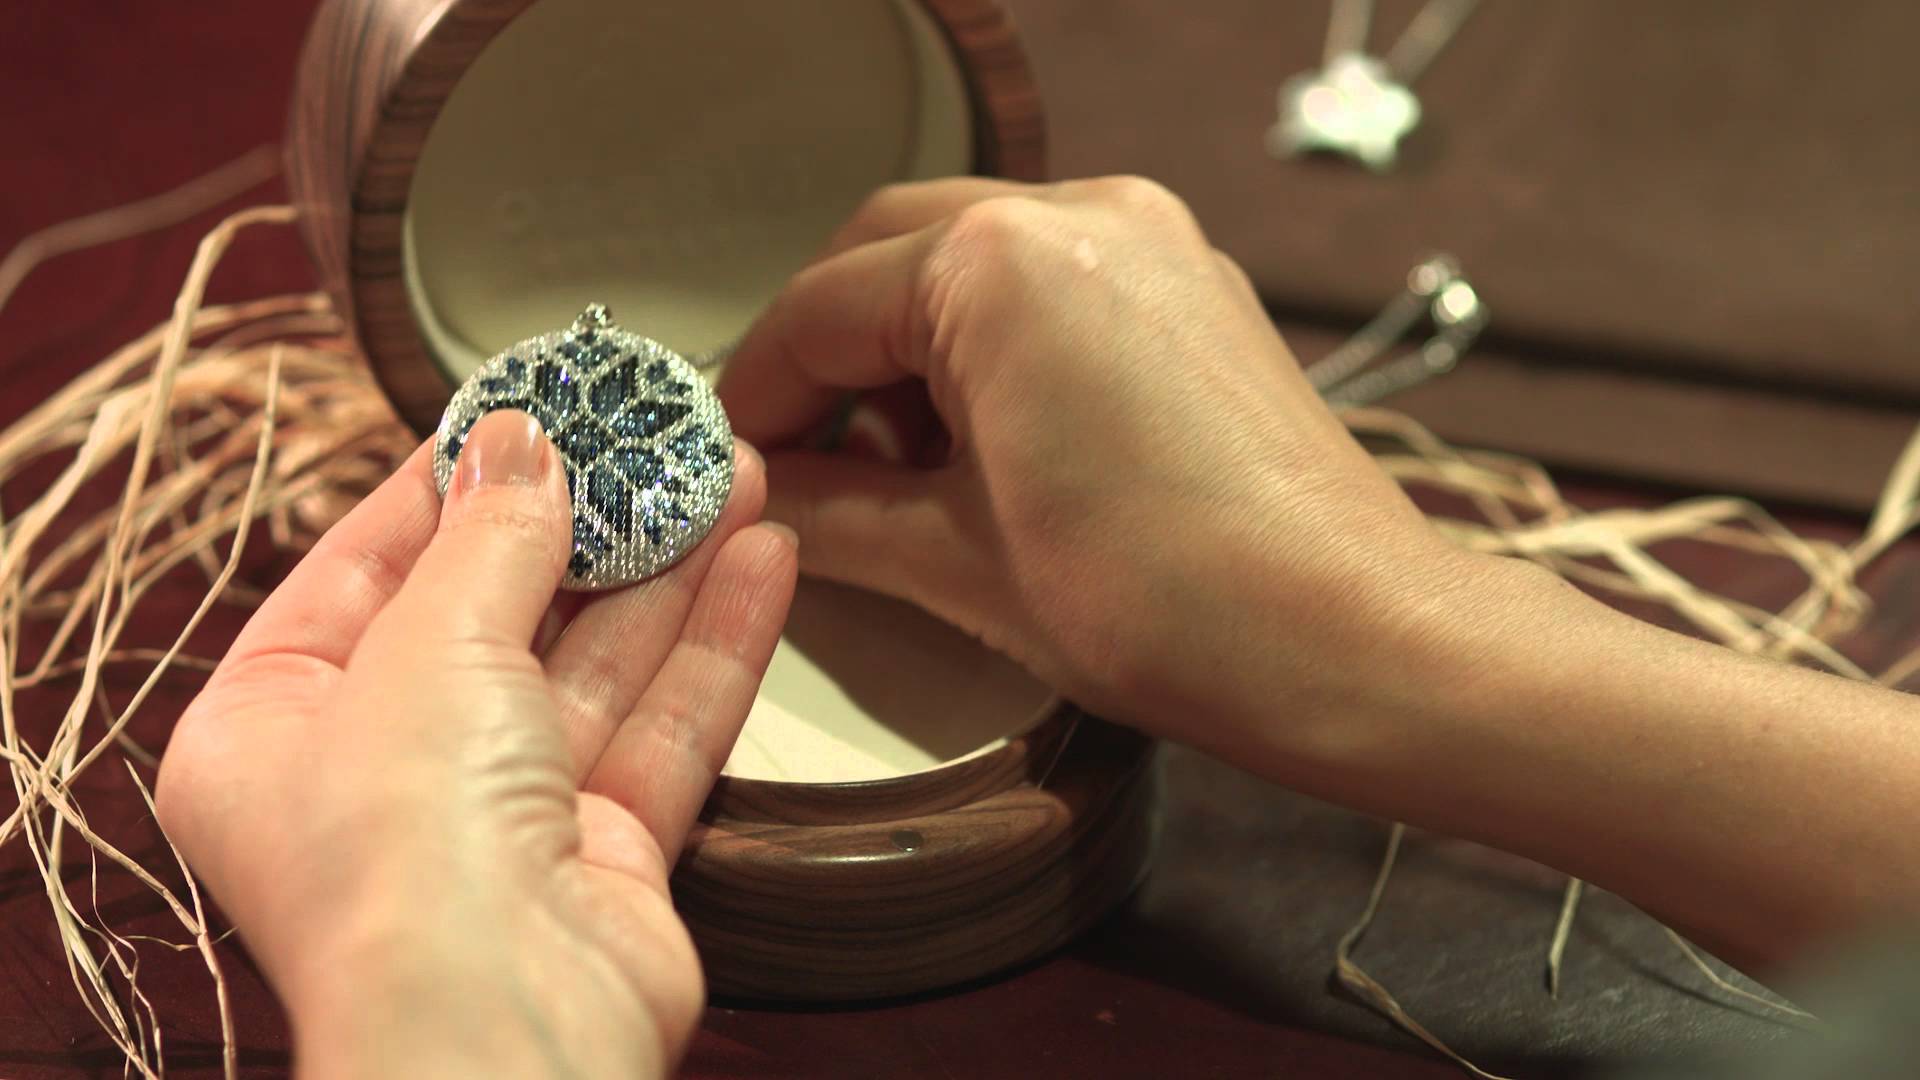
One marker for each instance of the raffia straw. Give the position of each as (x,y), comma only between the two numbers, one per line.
(1562,929)
(1356,980)
(196,196)
(187,421)
(202,940)
(1686,949)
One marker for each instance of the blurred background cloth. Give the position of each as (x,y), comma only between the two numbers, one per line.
(1698,218)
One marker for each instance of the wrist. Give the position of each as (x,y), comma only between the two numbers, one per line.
(385,996)
(465,989)
(1402,645)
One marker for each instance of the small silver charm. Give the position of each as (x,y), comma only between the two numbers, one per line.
(646,445)
(1358,105)
(1351,107)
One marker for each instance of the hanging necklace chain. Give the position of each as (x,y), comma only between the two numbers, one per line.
(1409,56)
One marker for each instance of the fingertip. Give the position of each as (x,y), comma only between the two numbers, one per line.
(745,598)
(747,594)
(746,455)
(787,500)
(764,551)
(501,547)
(748,409)
(784,532)
(748,496)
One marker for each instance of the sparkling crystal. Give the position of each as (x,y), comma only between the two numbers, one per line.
(612,499)
(697,450)
(645,419)
(554,386)
(587,536)
(512,371)
(643,468)
(584,441)
(616,386)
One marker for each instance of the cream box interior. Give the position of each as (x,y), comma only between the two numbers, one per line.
(678,162)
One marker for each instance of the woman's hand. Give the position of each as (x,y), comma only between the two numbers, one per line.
(1142,499)
(442,812)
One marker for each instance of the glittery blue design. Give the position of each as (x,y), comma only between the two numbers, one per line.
(612,499)
(658,371)
(642,468)
(588,537)
(584,440)
(554,387)
(457,438)
(588,541)
(697,450)
(514,370)
(654,523)
(586,351)
(616,387)
(645,419)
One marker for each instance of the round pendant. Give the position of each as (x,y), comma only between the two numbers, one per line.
(646,445)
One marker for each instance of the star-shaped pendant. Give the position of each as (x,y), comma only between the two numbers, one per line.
(1351,107)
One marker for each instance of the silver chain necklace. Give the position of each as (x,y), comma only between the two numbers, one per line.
(1357,105)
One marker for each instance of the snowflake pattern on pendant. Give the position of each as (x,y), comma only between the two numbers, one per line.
(647,448)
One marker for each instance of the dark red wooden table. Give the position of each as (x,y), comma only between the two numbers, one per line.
(1219,967)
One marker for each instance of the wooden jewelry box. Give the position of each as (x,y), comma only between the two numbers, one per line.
(906,810)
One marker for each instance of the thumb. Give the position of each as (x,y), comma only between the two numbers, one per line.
(491,569)
(883,527)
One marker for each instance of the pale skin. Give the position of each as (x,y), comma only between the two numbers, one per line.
(443,823)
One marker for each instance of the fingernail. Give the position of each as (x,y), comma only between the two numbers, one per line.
(505,447)
(784,532)
(749,451)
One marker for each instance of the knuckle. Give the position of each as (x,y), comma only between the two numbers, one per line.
(993,230)
(881,205)
(171,796)
(1138,195)
(1236,274)
(676,722)
(376,565)
(487,515)
(986,249)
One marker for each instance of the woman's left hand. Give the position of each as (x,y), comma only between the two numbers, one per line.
(441,807)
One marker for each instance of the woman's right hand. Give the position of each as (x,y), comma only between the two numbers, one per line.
(1135,492)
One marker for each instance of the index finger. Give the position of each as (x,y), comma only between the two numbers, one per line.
(323,606)
(779,395)
(849,322)
(898,209)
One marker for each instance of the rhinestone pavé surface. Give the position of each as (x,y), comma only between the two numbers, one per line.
(647,447)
